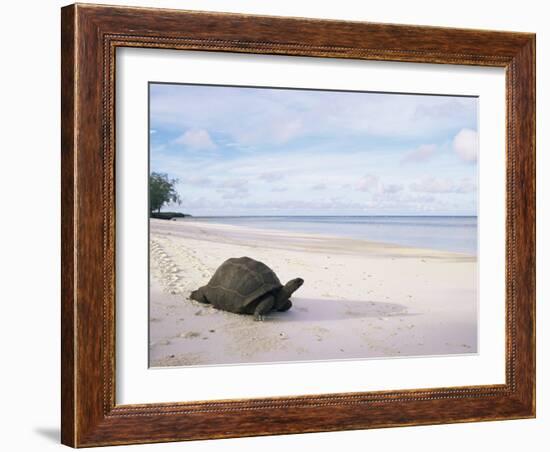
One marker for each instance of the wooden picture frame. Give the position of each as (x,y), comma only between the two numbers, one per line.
(90,36)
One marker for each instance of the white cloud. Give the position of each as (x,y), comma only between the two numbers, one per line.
(466,185)
(446,108)
(392,188)
(281,116)
(319,187)
(233,188)
(287,130)
(368,182)
(421,154)
(439,185)
(465,144)
(233,184)
(196,139)
(406,201)
(375,182)
(271,176)
(288,152)
(198,181)
(301,204)
(235,194)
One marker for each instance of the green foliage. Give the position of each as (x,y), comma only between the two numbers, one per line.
(162,191)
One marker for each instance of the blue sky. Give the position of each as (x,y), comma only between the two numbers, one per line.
(261,151)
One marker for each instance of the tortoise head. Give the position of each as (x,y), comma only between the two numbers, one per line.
(282,301)
(292,286)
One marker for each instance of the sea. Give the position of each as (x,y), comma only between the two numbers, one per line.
(445,233)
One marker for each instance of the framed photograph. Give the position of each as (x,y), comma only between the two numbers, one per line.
(282,225)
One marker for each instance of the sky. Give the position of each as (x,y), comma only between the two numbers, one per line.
(266,151)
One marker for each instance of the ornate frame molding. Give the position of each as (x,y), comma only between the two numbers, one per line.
(90,37)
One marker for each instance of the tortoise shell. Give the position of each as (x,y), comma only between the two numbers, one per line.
(238,283)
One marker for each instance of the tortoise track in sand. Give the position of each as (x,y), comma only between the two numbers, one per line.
(175,279)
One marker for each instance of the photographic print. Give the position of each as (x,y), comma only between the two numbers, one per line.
(291,225)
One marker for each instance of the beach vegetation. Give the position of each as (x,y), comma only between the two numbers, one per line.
(162,190)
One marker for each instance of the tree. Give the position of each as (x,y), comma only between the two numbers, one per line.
(162,191)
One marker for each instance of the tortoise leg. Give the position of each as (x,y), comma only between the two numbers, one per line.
(264,306)
(285,307)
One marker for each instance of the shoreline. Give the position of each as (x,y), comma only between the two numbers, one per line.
(360,299)
(311,240)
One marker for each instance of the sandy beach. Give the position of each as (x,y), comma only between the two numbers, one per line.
(360,299)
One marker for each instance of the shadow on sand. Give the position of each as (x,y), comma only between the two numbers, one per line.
(315,309)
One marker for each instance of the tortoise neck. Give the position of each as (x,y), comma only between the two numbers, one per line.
(290,287)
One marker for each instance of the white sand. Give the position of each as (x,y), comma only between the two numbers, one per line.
(360,299)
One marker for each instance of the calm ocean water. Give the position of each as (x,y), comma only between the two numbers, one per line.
(458,234)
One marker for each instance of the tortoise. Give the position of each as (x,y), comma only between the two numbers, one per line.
(246,286)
